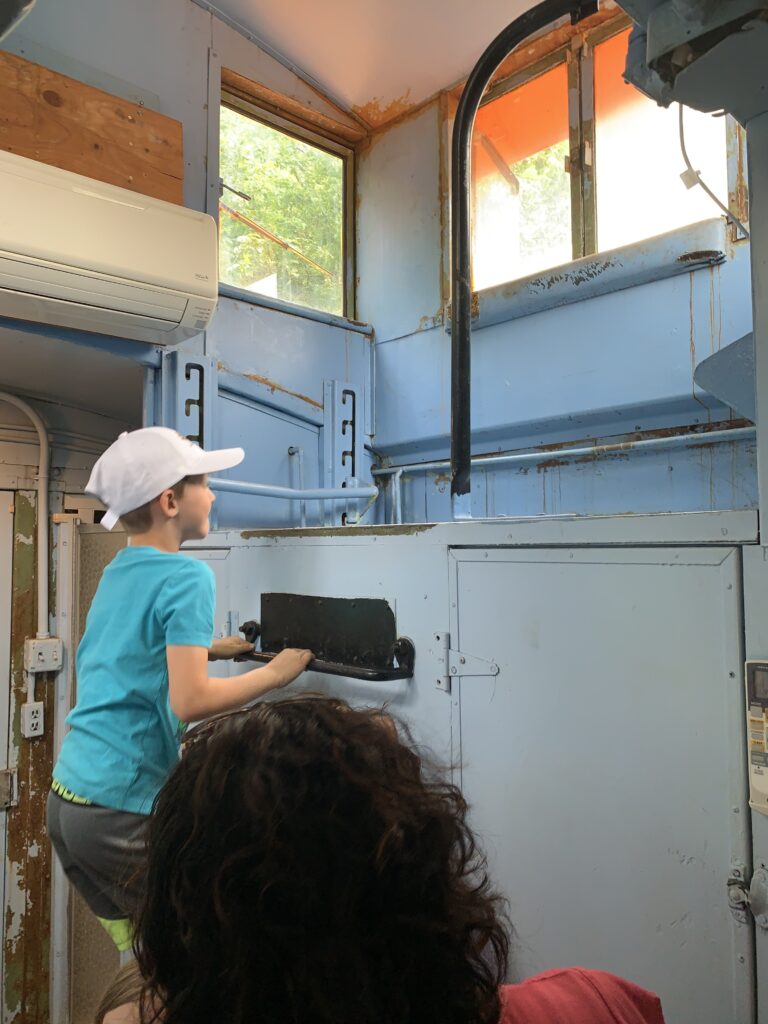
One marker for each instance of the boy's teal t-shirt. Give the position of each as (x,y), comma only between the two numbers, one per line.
(124,738)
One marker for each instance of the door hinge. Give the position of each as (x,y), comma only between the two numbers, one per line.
(456,664)
(9,789)
(747,898)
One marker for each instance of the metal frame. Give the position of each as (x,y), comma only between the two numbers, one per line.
(252,109)
(578,54)
(65,547)
(662,529)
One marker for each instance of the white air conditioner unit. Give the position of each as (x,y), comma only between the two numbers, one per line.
(75,252)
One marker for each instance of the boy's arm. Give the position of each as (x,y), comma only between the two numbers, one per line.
(227,647)
(194,695)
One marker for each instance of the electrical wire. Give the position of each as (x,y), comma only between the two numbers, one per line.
(698,180)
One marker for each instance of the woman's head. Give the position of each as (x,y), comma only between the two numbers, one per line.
(305,866)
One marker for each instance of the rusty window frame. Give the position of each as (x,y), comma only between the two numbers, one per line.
(304,133)
(578,54)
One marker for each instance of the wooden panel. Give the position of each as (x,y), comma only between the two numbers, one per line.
(60,121)
(28,857)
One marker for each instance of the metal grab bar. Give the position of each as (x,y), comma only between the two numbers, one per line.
(332,668)
(461,257)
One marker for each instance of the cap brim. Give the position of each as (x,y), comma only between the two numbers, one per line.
(109,519)
(215,461)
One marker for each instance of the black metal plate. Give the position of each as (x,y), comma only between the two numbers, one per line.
(348,636)
(348,631)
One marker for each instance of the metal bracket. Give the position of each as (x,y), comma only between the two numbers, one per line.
(738,893)
(460,664)
(457,664)
(342,443)
(187,396)
(9,789)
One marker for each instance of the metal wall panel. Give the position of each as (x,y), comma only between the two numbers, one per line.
(604,764)
(756,640)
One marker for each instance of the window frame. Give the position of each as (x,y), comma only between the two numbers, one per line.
(304,133)
(577,53)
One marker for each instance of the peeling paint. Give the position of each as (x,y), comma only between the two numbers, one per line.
(376,113)
(581,275)
(407,530)
(701,256)
(427,323)
(28,859)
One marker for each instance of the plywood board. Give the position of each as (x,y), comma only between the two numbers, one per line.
(60,121)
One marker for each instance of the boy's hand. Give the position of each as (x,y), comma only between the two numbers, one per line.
(289,664)
(227,647)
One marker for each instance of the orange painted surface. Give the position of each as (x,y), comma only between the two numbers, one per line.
(527,120)
(612,94)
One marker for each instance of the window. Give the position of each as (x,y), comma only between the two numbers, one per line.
(551,183)
(522,193)
(282,211)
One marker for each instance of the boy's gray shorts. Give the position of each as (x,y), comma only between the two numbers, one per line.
(102,852)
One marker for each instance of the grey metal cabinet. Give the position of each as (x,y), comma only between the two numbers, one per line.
(604,763)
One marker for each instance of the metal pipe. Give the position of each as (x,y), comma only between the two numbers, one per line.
(585,451)
(298,453)
(294,493)
(44,460)
(397,497)
(673,441)
(461,257)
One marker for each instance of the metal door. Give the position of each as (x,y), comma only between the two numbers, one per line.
(604,763)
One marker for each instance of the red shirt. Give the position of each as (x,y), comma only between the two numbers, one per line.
(578,996)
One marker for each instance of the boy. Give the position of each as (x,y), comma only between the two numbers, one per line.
(142,666)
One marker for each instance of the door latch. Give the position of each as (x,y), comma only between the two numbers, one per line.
(745,898)
(458,663)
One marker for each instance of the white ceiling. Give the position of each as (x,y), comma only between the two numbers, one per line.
(378,57)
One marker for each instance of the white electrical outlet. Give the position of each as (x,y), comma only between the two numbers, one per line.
(43,654)
(32,719)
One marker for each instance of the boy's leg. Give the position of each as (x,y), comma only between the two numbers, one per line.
(102,852)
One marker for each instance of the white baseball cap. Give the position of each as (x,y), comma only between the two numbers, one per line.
(141,464)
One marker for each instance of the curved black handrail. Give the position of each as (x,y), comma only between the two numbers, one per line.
(461,277)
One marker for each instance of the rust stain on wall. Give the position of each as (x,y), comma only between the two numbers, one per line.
(375,114)
(701,256)
(28,889)
(272,385)
(738,199)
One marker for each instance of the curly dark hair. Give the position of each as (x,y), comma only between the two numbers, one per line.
(307,866)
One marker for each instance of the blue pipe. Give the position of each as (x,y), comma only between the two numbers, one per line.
(294,493)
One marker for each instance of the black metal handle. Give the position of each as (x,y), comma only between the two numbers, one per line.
(461,257)
(405,653)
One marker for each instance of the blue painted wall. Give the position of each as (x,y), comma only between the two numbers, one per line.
(272,364)
(603,368)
